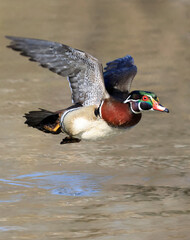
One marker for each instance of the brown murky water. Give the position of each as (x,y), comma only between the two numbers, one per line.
(133,186)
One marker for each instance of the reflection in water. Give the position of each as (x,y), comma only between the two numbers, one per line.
(61,183)
(88,185)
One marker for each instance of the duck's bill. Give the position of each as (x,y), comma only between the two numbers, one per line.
(158,107)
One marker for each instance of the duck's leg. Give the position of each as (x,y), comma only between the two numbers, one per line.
(52,129)
(70,140)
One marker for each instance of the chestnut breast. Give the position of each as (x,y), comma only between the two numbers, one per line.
(118,114)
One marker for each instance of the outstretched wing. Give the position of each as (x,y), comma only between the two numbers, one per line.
(83,70)
(118,77)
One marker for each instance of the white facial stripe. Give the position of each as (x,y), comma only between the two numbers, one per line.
(127,100)
(139,106)
(130,100)
(131,107)
(150,97)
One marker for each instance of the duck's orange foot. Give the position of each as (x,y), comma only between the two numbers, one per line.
(70,140)
(55,129)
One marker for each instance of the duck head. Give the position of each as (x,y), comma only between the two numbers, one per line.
(143,100)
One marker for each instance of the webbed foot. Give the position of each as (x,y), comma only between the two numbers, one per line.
(69,140)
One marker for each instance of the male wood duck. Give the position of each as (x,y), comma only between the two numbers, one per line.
(102,103)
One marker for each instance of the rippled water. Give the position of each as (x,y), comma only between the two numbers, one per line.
(131,186)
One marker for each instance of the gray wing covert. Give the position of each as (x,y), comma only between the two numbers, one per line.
(84,71)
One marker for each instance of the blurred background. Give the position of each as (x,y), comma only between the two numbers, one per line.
(131,186)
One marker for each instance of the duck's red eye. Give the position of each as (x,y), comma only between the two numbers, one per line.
(145,98)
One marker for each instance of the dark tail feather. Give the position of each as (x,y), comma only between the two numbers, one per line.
(42,120)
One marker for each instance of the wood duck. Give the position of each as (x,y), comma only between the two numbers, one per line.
(102,103)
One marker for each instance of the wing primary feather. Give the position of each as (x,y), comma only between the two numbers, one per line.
(83,70)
